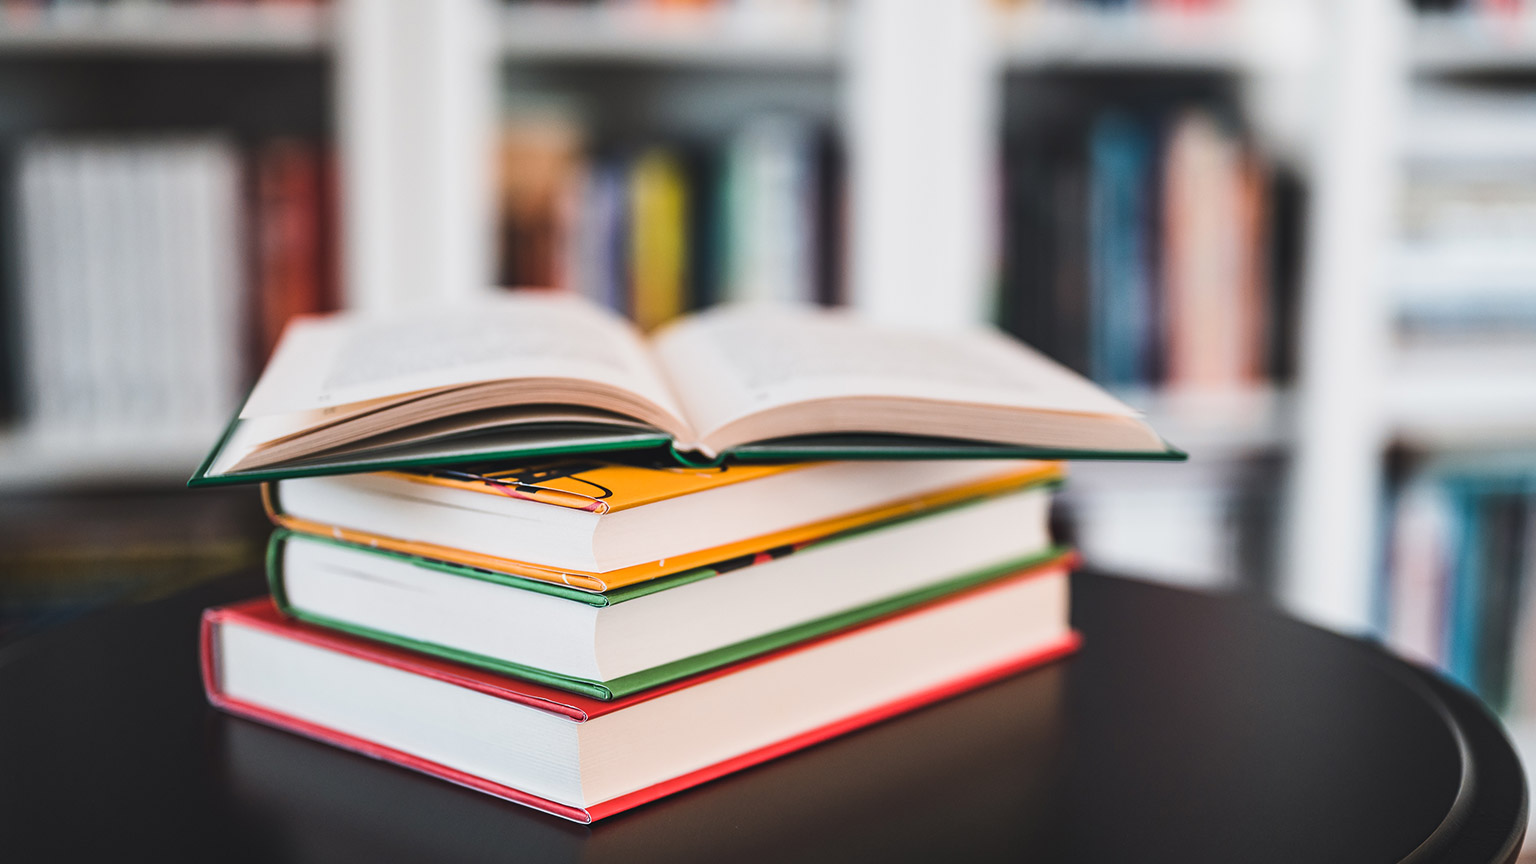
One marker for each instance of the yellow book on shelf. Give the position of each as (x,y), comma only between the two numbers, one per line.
(658,201)
(797,503)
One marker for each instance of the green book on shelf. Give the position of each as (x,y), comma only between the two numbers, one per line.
(533,374)
(610,644)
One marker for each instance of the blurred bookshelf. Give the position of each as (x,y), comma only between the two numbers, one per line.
(1265,443)
(164,170)
(1456,427)
(694,87)
(606,114)
(755,40)
(1373,164)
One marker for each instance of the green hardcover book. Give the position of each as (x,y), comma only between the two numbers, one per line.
(535,374)
(610,644)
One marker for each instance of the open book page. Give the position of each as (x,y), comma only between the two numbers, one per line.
(326,367)
(735,362)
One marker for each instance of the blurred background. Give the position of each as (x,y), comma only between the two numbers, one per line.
(1299,234)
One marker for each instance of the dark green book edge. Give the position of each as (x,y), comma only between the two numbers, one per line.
(618,443)
(852,447)
(625,444)
(624,686)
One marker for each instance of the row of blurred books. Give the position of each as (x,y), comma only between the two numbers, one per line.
(1460,586)
(154,274)
(656,230)
(1137,248)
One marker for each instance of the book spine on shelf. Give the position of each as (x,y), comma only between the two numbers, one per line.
(1119,266)
(39,355)
(1210,335)
(658,201)
(289,233)
(770,187)
(705,248)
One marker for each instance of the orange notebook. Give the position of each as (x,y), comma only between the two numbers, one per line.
(603,488)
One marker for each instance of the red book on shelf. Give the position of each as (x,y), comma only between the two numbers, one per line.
(291,227)
(584,759)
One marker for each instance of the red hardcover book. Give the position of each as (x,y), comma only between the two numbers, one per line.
(585,759)
(292,228)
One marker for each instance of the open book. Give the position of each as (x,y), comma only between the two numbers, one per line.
(528,374)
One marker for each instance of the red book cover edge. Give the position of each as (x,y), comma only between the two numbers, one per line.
(261,614)
(604,809)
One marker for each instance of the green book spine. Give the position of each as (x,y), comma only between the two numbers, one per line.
(623,686)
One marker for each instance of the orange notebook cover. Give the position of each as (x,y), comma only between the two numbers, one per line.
(600,487)
(262,615)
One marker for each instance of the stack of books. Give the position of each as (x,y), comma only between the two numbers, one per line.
(585,634)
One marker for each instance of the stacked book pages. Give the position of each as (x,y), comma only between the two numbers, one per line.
(583,627)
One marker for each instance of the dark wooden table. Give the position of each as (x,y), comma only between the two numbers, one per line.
(1190,728)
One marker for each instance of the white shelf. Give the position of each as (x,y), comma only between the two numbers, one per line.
(167,30)
(686,38)
(1217,424)
(31,461)
(1482,409)
(1078,38)
(1172,522)
(1451,44)
(1062,37)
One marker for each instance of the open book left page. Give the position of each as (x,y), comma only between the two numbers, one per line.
(553,369)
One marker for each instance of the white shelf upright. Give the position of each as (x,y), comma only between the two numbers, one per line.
(921,102)
(415,90)
(1330,558)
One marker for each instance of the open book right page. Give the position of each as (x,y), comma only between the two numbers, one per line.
(748,373)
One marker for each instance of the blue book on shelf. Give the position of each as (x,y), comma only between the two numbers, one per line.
(611,207)
(1490,568)
(1466,584)
(1120,278)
